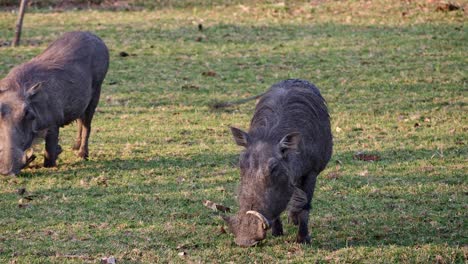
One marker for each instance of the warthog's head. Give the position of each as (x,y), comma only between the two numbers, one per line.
(249,227)
(17,130)
(264,189)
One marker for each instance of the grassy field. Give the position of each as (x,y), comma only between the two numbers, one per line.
(394,74)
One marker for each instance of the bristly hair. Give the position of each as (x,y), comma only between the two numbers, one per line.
(289,105)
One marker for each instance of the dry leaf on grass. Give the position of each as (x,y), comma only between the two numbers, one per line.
(222,230)
(101,180)
(190,87)
(447,6)
(180,180)
(439,259)
(108,260)
(366,157)
(209,73)
(181,246)
(364,173)
(333,175)
(21,191)
(23,203)
(216,207)
(220,189)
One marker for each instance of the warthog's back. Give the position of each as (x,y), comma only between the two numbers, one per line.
(77,50)
(295,106)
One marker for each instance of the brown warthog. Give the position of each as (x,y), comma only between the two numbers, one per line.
(38,97)
(289,143)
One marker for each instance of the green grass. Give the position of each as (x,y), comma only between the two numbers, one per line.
(396,86)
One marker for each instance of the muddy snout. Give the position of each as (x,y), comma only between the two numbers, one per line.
(12,163)
(245,242)
(8,173)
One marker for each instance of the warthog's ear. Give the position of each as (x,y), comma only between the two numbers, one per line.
(290,142)
(33,90)
(31,116)
(241,137)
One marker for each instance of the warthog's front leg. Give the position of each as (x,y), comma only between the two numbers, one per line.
(303,233)
(52,148)
(303,216)
(277,227)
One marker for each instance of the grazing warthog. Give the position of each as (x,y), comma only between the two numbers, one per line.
(59,86)
(289,143)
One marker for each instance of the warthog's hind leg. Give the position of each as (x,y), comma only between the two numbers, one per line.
(77,144)
(86,121)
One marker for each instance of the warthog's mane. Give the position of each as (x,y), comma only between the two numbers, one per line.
(290,105)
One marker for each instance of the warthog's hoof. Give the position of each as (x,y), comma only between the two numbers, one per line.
(83,155)
(303,239)
(50,163)
(59,149)
(277,232)
(77,145)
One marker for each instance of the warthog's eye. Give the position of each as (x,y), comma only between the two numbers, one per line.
(29,114)
(272,165)
(244,156)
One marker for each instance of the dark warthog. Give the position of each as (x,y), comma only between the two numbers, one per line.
(59,86)
(289,143)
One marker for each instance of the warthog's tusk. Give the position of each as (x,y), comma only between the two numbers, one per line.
(29,160)
(265,223)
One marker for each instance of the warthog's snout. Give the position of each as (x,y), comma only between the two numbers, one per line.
(246,242)
(7,172)
(14,166)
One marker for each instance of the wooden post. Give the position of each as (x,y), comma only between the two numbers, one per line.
(19,23)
